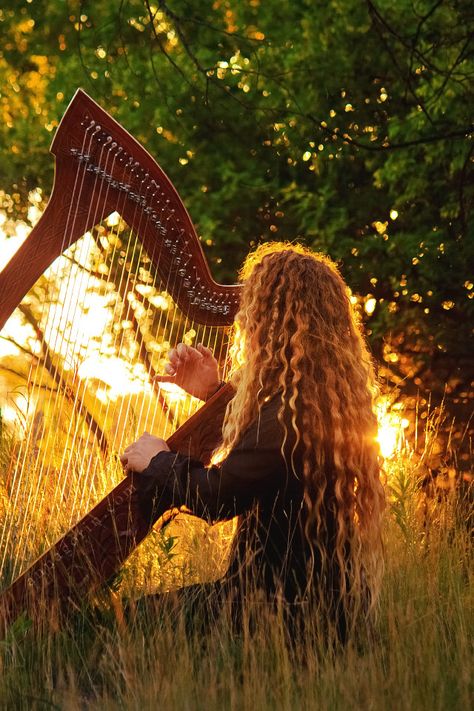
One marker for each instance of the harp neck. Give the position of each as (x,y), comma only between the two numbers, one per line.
(99,169)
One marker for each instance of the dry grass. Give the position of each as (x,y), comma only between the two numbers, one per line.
(418,657)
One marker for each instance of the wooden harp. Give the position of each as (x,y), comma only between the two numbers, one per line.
(113,268)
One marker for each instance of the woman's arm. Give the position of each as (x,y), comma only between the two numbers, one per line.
(252,471)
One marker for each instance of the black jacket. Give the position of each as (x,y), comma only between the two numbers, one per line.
(258,482)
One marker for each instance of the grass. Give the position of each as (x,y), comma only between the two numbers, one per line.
(418,657)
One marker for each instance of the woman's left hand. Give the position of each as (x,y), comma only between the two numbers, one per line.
(137,456)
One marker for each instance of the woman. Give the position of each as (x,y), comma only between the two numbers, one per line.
(301,463)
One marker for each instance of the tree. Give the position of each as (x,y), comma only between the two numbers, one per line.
(345,124)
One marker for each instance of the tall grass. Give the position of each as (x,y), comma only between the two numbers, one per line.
(418,656)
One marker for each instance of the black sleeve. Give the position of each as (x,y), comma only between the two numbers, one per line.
(253,470)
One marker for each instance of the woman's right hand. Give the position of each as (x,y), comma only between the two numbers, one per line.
(193,369)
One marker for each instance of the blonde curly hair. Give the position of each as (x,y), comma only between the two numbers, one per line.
(297,334)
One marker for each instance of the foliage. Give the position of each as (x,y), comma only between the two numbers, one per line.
(344,124)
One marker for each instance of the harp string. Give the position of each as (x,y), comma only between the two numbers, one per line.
(25,446)
(79,282)
(76,284)
(77,459)
(124,291)
(68,223)
(51,347)
(88,462)
(55,344)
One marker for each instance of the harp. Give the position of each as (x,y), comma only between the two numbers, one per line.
(111,275)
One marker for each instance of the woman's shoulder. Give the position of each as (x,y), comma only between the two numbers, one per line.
(273,424)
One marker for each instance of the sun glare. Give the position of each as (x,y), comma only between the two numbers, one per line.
(11,413)
(12,244)
(174,392)
(391,427)
(120,377)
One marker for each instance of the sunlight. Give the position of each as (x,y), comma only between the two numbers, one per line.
(391,427)
(120,377)
(173,392)
(10,413)
(113,219)
(10,245)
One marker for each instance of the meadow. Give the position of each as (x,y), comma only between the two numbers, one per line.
(120,655)
(345,125)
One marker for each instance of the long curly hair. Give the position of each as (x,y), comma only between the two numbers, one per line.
(297,333)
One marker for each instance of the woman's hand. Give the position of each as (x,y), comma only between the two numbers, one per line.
(193,369)
(138,455)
